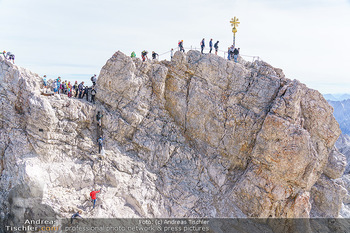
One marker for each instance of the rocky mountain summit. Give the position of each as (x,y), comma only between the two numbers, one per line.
(198,136)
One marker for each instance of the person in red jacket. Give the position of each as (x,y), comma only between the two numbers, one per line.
(93,196)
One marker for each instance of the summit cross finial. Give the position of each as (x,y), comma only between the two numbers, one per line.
(234,22)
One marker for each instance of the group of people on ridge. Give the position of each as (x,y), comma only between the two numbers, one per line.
(8,56)
(77,90)
(232,52)
(144,55)
(216,46)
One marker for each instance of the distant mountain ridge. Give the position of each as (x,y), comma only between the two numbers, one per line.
(342,114)
(336,97)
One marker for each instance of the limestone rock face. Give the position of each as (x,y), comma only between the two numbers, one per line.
(199,136)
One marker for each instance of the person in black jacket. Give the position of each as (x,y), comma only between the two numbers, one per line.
(235,54)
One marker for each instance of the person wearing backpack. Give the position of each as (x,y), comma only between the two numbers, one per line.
(211,45)
(181,46)
(80,89)
(216,46)
(93,93)
(144,55)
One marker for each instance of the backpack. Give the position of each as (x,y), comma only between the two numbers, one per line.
(92,78)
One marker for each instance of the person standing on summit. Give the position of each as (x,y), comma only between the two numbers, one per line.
(216,46)
(93,197)
(202,45)
(211,45)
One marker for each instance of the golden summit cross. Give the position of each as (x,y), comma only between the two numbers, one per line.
(234,22)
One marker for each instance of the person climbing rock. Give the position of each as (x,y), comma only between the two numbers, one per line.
(235,54)
(76,215)
(211,45)
(216,46)
(93,93)
(94,79)
(171,53)
(93,196)
(99,118)
(144,55)
(202,45)
(75,88)
(133,54)
(181,46)
(100,144)
(154,55)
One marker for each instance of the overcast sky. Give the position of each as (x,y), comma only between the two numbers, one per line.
(308,39)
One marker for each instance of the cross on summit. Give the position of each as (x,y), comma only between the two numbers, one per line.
(234,22)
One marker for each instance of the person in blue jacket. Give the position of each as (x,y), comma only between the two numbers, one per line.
(202,45)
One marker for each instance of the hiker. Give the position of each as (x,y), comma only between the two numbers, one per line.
(202,45)
(94,79)
(93,196)
(154,55)
(62,87)
(210,45)
(76,215)
(54,86)
(11,56)
(235,54)
(80,89)
(99,118)
(230,52)
(133,54)
(69,87)
(171,53)
(181,46)
(65,87)
(216,46)
(75,88)
(144,55)
(3,53)
(58,85)
(100,144)
(93,93)
(86,92)
(44,81)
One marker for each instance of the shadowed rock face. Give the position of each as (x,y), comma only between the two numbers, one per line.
(197,136)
